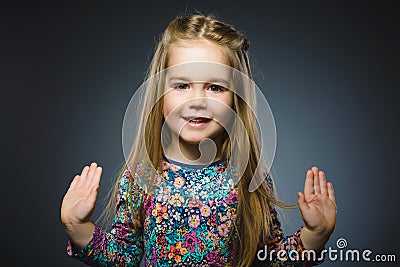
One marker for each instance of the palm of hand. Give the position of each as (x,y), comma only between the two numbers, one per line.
(79,201)
(317,204)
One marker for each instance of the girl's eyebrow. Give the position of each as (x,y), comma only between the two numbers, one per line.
(180,79)
(216,80)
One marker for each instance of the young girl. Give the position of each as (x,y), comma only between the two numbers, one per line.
(173,222)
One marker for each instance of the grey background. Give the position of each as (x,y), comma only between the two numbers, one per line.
(329,69)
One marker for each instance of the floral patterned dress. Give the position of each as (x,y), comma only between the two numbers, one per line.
(188,220)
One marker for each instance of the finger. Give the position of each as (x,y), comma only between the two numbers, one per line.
(93,195)
(96,177)
(309,184)
(83,175)
(331,192)
(92,169)
(322,183)
(317,188)
(74,182)
(301,200)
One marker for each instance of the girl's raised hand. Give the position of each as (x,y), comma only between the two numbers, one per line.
(79,201)
(318,209)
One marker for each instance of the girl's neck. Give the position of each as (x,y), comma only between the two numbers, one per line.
(187,153)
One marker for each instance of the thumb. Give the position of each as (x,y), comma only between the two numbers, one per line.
(301,200)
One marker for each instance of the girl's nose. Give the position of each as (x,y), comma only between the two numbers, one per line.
(198,97)
(198,103)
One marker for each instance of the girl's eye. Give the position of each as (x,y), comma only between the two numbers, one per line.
(182,86)
(216,88)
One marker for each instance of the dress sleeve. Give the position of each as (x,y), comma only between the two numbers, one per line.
(291,244)
(123,245)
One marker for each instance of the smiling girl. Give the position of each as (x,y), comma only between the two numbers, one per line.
(194,214)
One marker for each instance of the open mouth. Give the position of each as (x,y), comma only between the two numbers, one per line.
(197,121)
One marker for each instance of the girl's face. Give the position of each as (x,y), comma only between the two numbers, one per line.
(194,108)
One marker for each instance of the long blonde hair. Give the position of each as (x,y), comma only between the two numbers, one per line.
(253,214)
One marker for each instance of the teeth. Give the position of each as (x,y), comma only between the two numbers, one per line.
(198,120)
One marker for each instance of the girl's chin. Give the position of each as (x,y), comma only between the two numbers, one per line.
(191,141)
(195,137)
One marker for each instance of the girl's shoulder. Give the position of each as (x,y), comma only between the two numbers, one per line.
(128,184)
